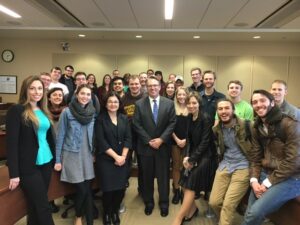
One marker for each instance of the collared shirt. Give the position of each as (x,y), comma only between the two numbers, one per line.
(152,103)
(234,158)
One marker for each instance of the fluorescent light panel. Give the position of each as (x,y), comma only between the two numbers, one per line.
(169,6)
(9,12)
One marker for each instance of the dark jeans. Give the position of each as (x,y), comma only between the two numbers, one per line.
(35,188)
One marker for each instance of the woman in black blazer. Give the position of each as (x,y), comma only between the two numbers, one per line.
(31,149)
(113,140)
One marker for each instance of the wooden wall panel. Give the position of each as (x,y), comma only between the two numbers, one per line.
(132,64)
(235,68)
(166,64)
(268,68)
(293,81)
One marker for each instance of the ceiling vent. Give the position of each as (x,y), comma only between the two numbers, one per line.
(57,12)
(285,14)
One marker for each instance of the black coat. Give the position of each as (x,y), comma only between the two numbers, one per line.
(107,136)
(22,143)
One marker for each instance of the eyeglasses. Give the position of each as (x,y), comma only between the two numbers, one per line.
(112,102)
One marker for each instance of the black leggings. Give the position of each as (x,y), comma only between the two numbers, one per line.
(35,187)
(84,201)
(112,200)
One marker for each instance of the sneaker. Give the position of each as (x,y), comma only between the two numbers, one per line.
(122,208)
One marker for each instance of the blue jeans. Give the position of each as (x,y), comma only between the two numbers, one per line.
(271,200)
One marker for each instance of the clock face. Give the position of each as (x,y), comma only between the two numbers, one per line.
(7,56)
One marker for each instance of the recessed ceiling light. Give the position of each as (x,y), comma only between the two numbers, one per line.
(138,36)
(169,6)
(9,12)
(257,37)
(196,37)
(81,35)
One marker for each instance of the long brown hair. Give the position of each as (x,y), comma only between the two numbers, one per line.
(24,100)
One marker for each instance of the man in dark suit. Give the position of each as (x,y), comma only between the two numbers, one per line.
(154,121)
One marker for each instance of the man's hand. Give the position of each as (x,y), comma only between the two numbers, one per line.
(155,143)
(257,189)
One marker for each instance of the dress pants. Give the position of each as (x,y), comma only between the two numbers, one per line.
(35,187)
(157,165)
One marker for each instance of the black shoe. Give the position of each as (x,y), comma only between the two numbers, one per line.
(54,208)
(176,197)
(164,212)
(106,219)
(148,210)
(115,219)
(194,215)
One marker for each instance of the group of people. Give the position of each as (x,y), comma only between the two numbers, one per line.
(66,122)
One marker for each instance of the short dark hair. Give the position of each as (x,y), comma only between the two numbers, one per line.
(55,68)
(82,86)
(117,78)
(69,66)
(225,100)
(111,94)
(265,93)
(196,68)
(210,72)
(79,73)
(235,82)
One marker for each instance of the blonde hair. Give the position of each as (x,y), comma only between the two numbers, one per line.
(176,103)
(24,100)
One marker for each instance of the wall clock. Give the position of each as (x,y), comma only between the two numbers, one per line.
(8,55)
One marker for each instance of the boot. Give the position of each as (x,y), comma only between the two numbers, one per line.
(176,197)
(115,219)
(106,219)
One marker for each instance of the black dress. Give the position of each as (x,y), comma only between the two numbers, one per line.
(202,153)
(109,135)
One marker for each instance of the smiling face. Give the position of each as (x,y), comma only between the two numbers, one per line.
(35,91)
(170,89)
(225,111)
(278,90)
(84,96)
(118,86)
(56,97)
(196,76)
(134,86)
(153,87)
(143,79)
(181,96)
(234,90)
(193,105)
(261,104)
(208,80)
(112,104)
(55,74)
(91,79)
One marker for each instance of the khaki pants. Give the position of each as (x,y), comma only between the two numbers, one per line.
(227,192)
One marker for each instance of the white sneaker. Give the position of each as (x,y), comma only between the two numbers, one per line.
(122,208)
